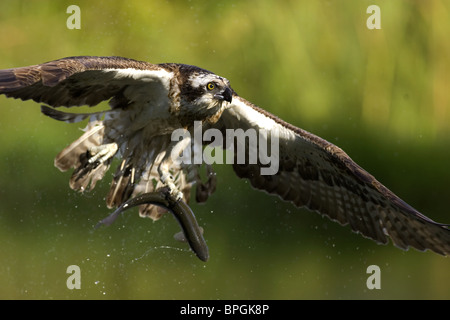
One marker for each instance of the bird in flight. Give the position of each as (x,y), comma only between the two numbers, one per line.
(148,102)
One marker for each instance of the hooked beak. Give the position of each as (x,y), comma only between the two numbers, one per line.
(226,95)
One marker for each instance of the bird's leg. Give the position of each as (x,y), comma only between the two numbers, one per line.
(171,157)
(168,180)
(103,152)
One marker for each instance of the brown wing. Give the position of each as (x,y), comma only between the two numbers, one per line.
(73,81)
(320,176)
(77,81)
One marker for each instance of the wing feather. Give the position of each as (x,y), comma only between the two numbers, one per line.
(77,81)
(316,174)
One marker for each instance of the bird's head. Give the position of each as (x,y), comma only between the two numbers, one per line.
(203,93)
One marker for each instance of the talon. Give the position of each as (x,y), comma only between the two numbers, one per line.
(167,179)
(103,152)
(178,196)
(174,192)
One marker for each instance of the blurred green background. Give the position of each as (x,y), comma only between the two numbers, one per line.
(381,95)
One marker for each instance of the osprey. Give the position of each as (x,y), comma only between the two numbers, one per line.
(149,101)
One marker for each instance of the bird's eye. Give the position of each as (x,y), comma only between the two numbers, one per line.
(210,86)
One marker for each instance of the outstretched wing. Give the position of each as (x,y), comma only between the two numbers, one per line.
(77,81)
(127,84)
(320,176)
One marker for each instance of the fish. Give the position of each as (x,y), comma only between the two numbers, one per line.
(184,215)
